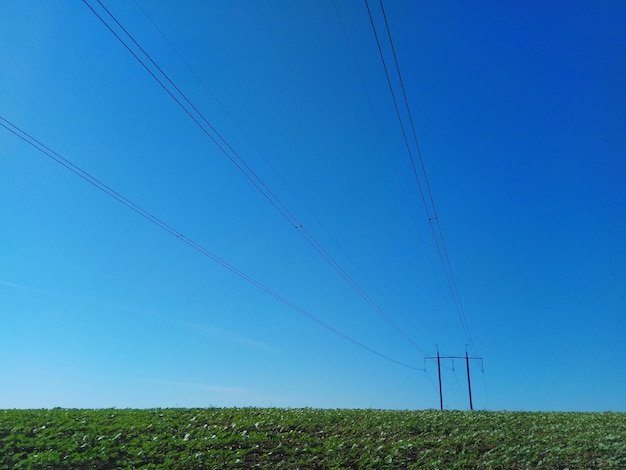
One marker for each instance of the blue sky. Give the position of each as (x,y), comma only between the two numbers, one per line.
(520,115)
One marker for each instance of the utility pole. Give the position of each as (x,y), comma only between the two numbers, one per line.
(469,383)
(467,365)
(439,371)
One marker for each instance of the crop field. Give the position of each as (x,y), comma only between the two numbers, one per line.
(309,439)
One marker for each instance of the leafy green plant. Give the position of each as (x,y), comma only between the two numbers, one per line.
(309,439)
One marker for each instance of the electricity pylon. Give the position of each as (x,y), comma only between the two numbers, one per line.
(469,382)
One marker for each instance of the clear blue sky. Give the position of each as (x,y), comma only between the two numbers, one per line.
(520,111)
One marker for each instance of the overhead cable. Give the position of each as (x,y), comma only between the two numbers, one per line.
(428,203)
(435,218)
(222,144)
(383,138)
(275,170)
(67,164)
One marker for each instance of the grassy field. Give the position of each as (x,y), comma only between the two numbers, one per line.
(309,439)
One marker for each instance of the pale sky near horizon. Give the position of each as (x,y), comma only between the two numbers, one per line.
(519,109)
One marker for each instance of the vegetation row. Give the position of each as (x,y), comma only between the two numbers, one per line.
(231,438)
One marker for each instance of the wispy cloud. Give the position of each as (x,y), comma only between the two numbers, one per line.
(71,297)
(197,386)
(29,288)
(15,286)
(230,336)
(218,333)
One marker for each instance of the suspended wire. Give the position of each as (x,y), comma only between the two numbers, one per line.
(450,368)
(219,103)
(431,380)
(435,217)
(234,157)
(428,203)
(455,391)
(413,166)
(384,140)
(484,382)
(439,372)
(307,235)
(419,151)
(198,118)
(395,103)
(376,120)
(23,135)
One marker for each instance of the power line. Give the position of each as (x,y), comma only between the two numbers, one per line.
(428,203)
(67,164)
(288,186)
(384,140)
(435,217)
(395,103)
(467,358)
(200,120)
(406,102)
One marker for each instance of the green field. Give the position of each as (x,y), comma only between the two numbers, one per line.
(309,439)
